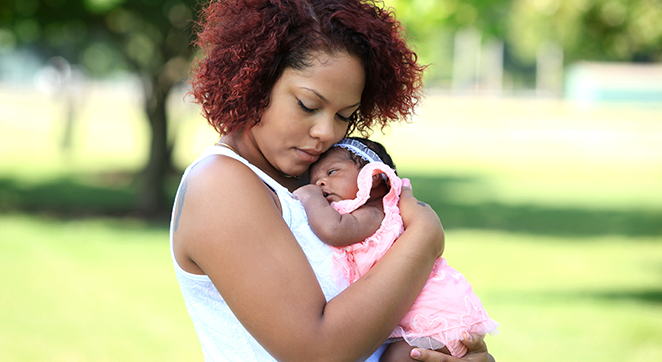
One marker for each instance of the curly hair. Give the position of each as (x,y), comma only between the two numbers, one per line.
(246,45)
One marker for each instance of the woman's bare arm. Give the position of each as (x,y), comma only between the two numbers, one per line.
(332,227)
(236,235)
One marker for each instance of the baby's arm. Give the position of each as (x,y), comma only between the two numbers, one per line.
(332,227)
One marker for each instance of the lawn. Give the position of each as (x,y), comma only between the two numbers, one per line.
(553,211)
(90,290)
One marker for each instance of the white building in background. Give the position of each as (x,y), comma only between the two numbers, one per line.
(549,70)
(477,64)
(18,67)
(609,82)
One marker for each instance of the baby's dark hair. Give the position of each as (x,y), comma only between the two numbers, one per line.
(377,147)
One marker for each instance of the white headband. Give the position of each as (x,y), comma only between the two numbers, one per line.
(358,149)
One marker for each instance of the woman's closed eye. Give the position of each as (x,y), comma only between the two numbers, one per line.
(304,108)
(344,119)
(312,110)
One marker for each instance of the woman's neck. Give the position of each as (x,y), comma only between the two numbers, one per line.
(247,150)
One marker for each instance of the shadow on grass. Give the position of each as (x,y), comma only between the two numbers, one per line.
(644,295)
(116,194)
(534,219)
(75,196)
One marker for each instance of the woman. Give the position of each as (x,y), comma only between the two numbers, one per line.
(282,81)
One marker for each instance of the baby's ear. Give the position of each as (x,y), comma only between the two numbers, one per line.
(376,180)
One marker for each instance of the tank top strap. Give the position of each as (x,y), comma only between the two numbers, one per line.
(283,194)
(221,150)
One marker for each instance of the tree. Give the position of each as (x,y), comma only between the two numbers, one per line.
(608,30)
(431,25)
(151,38)
(605,30)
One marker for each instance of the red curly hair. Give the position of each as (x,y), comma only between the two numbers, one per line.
(247,44)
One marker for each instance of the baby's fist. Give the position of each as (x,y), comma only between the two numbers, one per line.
(306,191)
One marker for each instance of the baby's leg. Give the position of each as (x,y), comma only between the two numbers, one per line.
(400,351)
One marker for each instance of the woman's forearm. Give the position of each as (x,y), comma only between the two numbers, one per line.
(382,296)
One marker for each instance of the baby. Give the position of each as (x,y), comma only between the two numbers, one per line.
(352,205)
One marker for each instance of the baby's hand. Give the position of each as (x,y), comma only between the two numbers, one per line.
(304,192)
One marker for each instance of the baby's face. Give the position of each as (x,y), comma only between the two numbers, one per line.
(336,174)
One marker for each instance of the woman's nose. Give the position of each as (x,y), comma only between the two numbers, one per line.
(323,129)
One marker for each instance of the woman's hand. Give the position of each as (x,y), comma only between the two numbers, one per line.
(418,213)
(477,352)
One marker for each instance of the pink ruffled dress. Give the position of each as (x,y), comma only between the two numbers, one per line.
(446,307)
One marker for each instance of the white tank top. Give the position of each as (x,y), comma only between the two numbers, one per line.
(221,335)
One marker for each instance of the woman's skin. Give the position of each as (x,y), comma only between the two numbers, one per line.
(236,235)
(475,344)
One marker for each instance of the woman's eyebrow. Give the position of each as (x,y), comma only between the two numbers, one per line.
(324,99)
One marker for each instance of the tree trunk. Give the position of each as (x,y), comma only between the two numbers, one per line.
(152,194)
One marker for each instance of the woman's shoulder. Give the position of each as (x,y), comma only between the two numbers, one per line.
(218,165)
(218,177)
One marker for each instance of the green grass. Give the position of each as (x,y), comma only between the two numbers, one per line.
(552,211)
(104,290)
(90,290)
(576,299)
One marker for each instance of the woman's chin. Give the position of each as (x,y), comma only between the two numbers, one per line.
(296,170)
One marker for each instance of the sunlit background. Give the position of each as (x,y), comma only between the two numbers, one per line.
(539,144)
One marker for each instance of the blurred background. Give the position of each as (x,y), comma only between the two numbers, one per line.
(538,144)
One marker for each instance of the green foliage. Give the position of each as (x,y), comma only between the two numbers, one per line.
(614,30)
(431,24)
(104,35)
(428,16)
(101,6)
(146,37)
(144,34)
(623,30)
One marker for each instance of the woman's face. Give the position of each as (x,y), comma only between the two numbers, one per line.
(308,112)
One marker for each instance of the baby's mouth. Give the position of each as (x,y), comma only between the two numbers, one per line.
(328,196)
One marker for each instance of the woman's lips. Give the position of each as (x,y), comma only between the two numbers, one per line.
(308,155)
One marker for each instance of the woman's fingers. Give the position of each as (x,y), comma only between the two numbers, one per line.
(408,204)
(416,211)
(406,189)
(431,356)
(474,342)
(426,355)
(477,352)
